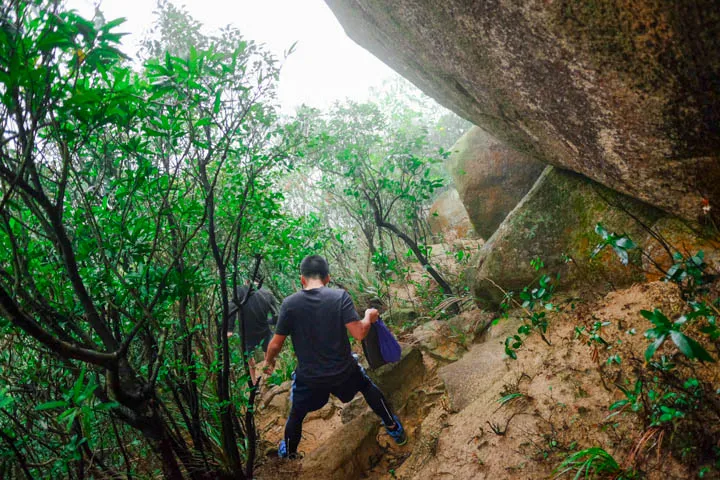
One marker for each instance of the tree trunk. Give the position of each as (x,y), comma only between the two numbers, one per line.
(171,469)
(223,382)
(446,288)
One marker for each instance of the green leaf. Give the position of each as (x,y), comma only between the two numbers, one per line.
(112,24)
(653,347)
(78,386)
(600,230)
(217,102)
(622,254)
(689,347)
(51,405)
(53,40)
(509,397)
(107,406)
(657,318)
(203,121)
(625,243)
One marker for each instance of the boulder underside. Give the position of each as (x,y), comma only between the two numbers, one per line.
(624,92)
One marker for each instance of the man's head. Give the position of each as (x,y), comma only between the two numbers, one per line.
(314,267)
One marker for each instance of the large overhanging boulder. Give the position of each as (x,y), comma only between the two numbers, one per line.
(490,178)
(624,92)
(555,222)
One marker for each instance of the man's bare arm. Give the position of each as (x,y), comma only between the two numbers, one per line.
(272,352)
(360,328)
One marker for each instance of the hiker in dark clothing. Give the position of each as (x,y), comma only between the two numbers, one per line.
(258,314)
(318,320)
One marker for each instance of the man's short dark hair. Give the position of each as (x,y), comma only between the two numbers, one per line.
(314,266)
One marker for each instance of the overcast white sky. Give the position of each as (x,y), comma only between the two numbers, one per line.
(325,67)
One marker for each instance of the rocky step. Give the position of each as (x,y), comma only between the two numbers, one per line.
(340,441)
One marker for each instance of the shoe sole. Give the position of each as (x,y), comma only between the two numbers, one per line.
(399,444)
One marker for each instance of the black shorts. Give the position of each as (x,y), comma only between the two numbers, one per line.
(307,397)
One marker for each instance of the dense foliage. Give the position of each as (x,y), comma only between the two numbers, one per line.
(132,204)
(377,165)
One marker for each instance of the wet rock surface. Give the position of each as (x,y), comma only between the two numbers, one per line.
(437,338)
(449,340)
(672,237)
(448,216)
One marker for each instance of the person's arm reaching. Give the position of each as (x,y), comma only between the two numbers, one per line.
(360,328)
(272,352)
(284,328)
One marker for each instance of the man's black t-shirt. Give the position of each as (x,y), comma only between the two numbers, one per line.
(315,319)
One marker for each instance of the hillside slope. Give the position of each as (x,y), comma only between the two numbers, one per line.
(557,400)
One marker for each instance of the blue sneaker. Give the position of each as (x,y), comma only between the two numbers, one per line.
(283,452)
(398,434)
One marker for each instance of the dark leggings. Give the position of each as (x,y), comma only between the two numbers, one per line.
(374,398)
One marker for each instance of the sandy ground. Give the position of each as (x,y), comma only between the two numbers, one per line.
(459,429)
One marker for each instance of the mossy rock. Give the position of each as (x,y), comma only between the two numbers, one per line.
(400,316)
(448,216)
(555,222)
(680,238)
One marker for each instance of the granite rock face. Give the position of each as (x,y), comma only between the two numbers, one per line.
(624,92)
(490,178)
(448,216)
(437,338)
(555,222)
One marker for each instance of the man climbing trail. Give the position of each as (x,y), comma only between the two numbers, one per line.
(257,314)
(318,319)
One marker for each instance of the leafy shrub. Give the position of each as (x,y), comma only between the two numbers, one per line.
(286,364)
(591,463)
(664,328)
(621,244)
(535,304)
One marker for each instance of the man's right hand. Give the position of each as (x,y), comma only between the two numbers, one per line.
(372,314)
(268,368)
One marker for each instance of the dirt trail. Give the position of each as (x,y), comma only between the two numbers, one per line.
(459,429)
(345,441)
(442,256)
